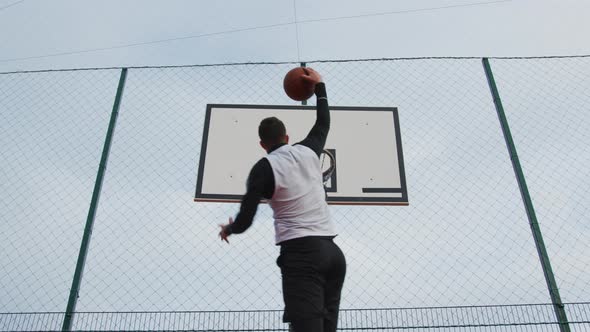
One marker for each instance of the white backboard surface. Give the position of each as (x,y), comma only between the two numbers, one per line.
(366,142)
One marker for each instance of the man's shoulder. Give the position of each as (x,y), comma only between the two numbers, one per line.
(261,163)
(287,150)
(304,148)
(261,169)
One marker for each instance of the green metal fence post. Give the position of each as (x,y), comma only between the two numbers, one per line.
(528,203)
(73,298)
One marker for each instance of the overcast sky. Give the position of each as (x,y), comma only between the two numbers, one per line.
(150,240)
(95,33)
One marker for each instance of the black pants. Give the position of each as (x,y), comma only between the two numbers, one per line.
(313,270)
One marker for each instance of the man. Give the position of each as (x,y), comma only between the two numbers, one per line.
(290,178)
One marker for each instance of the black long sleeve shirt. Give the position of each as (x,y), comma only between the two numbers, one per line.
(261,182)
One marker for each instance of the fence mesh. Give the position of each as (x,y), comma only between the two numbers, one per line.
(462,252)
(52,129)
(532,317)
(547,102)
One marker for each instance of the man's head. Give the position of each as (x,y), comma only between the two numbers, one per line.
(272,132)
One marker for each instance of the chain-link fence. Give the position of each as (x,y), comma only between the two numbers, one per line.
(462,254)
(532,317)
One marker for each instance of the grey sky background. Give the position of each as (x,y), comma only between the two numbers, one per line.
(464,239)
(327,30)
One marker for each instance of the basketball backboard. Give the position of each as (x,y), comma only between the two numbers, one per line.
(365,141)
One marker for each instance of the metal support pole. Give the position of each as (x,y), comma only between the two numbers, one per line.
(528,204)
(74,291)
(304,102)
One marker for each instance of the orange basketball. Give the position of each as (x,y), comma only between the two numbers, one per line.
(295,86)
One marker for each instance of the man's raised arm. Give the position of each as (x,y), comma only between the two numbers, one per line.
(316,139)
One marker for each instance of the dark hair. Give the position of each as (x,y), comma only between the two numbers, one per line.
(271,131)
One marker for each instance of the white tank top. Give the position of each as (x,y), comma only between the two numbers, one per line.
(298,201)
